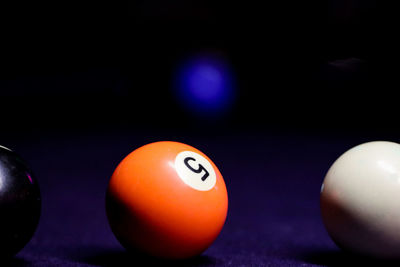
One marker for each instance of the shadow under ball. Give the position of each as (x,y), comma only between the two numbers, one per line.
(20,203)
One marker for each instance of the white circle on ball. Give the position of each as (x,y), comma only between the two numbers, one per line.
(195,170)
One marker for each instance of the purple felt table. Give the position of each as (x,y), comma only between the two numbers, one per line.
(273,182)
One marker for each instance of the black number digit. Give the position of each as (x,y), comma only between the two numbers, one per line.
(199,170)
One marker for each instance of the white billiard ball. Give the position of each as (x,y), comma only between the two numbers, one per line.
(360,200)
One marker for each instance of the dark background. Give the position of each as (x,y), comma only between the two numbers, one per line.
(84,84)
(315,65)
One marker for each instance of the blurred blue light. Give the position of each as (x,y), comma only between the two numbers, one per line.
(205,86)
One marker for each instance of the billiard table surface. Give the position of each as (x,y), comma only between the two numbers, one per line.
(273,180)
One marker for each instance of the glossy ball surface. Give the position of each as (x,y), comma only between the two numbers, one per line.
(360,200)
(20,203)
(168,200)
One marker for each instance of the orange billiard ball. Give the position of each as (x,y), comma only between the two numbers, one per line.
(168,200)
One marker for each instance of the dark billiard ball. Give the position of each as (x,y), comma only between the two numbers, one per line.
(20,203)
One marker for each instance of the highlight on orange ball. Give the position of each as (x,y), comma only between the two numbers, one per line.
(168,200)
